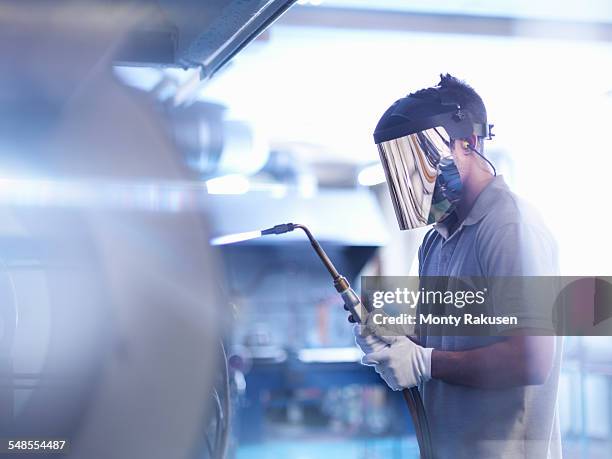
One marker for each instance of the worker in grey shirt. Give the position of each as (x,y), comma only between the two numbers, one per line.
(485,396)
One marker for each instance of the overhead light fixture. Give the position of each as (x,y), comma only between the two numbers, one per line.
(371,175)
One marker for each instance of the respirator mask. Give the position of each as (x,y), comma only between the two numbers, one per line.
(414,142)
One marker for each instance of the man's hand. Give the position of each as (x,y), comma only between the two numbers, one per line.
(368,343)
(398,360)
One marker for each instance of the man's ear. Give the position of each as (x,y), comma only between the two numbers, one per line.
(473,140)
(464,145)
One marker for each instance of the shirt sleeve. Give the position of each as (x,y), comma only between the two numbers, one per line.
(519,262)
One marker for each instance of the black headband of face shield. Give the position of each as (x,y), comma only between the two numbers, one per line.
(482,131)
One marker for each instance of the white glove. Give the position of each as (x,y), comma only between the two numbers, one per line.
(368,343)
(402,364)
(398,360)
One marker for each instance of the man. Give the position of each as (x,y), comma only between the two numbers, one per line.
(485,397)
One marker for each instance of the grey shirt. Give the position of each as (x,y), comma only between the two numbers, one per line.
(501,236)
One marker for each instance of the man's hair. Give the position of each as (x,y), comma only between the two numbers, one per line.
(464,95)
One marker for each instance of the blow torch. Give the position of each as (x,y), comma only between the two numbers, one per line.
(353,304)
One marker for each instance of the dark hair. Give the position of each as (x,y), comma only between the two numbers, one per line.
(465,96)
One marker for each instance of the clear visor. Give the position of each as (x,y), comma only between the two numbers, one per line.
(411,167)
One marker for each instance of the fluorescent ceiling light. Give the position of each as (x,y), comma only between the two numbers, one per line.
(330,355)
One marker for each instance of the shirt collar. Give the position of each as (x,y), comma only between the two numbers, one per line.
(482,206)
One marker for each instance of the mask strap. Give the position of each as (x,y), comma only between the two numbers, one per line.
(483,157)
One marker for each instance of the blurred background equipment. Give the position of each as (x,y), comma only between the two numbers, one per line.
(214,145)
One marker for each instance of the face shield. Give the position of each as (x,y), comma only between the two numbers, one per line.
(413,139)
(411,165)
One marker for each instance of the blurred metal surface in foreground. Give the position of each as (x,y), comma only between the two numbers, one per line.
(120,343)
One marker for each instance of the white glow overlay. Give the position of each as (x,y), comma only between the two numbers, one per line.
(228,184)
(233,238)
(558,165)
(371,175)
(158,196)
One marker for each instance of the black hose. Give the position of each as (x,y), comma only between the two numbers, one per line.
(221,449)
(419,419)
